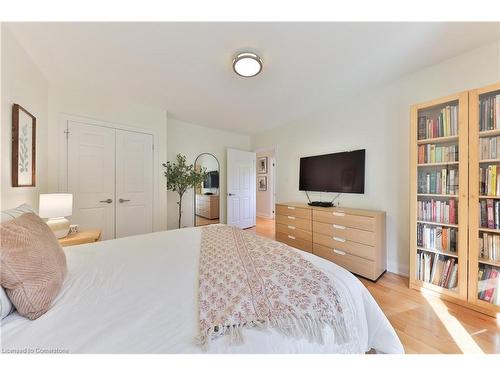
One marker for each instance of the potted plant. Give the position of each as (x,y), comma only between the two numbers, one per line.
(181,177)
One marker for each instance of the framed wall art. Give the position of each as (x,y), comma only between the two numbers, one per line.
(23,147)
(262,164)
(262,183)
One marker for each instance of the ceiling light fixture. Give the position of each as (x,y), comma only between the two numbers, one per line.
(247,64)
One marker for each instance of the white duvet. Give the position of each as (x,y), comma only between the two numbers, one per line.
(139,295)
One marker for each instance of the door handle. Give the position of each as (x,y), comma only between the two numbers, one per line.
(338,239)
(336,226)
(121,200)
(109,200)
(338,252)
(229,194)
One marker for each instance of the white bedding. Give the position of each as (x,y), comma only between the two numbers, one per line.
(139,295)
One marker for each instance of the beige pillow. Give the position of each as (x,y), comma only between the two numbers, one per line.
(32,264)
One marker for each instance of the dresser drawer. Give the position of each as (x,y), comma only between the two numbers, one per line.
(302,213)
(352,234)
(294,221)
(341,243)
(345,219)
(294,241)
(294,231)
(357,265)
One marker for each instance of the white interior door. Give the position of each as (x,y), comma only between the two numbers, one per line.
(241,188)
(134,183)
(91,177)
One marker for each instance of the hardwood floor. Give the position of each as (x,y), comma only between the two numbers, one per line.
(264,227)
(427,324)
(203,221)
(423,322)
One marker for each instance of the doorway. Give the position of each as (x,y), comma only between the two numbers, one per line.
(266,191)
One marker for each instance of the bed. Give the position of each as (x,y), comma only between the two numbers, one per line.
(139,295)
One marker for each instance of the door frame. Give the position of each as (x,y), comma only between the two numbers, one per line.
(64,118)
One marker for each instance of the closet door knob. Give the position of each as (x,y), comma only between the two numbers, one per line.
(121,200)
(109,200)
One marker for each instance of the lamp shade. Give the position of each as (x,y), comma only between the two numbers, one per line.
(55,205)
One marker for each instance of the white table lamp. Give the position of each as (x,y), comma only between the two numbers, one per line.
(55,207)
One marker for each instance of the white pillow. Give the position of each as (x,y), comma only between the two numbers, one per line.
(6,306)
(12,213)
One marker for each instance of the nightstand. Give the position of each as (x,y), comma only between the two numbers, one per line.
(88,236)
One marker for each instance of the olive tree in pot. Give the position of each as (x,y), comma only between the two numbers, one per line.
(181,177)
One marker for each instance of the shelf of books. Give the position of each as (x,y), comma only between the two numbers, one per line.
(484,198)
(439,191)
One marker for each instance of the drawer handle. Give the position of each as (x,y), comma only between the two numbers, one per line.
(338,239)
(291,237)
(291,217)
(291,208)
(338,252)
(336,226)
(338,213)
(291,227)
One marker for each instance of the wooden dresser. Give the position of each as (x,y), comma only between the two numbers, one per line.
(207,206)
(352,238)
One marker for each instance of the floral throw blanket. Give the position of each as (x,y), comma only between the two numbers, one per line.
(250,281)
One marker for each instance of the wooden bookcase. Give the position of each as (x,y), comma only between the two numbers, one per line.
(478,165)
(481,159)
(434,183)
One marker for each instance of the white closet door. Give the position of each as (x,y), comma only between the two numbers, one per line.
(134,183)
(91,177)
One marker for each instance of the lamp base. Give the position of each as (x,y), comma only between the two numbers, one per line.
(59,225)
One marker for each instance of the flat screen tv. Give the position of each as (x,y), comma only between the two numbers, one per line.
(212,180)
(342,172)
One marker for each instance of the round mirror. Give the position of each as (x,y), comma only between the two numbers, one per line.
(206,197)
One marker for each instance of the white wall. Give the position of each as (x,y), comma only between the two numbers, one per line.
(264,199)
(377,120)
(112,109)
(192,140)
(22,83)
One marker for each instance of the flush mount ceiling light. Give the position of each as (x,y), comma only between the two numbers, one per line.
(247,64)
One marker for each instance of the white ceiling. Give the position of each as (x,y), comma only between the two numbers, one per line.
(186,67)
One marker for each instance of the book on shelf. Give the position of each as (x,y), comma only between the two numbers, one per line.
(489,148)
(437,238)
(437,211)
(443,181)
(489,213)
(489,246)
(437,269)
(489,180)
(489,113)
(489,284)
(430,153)
(445,124)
